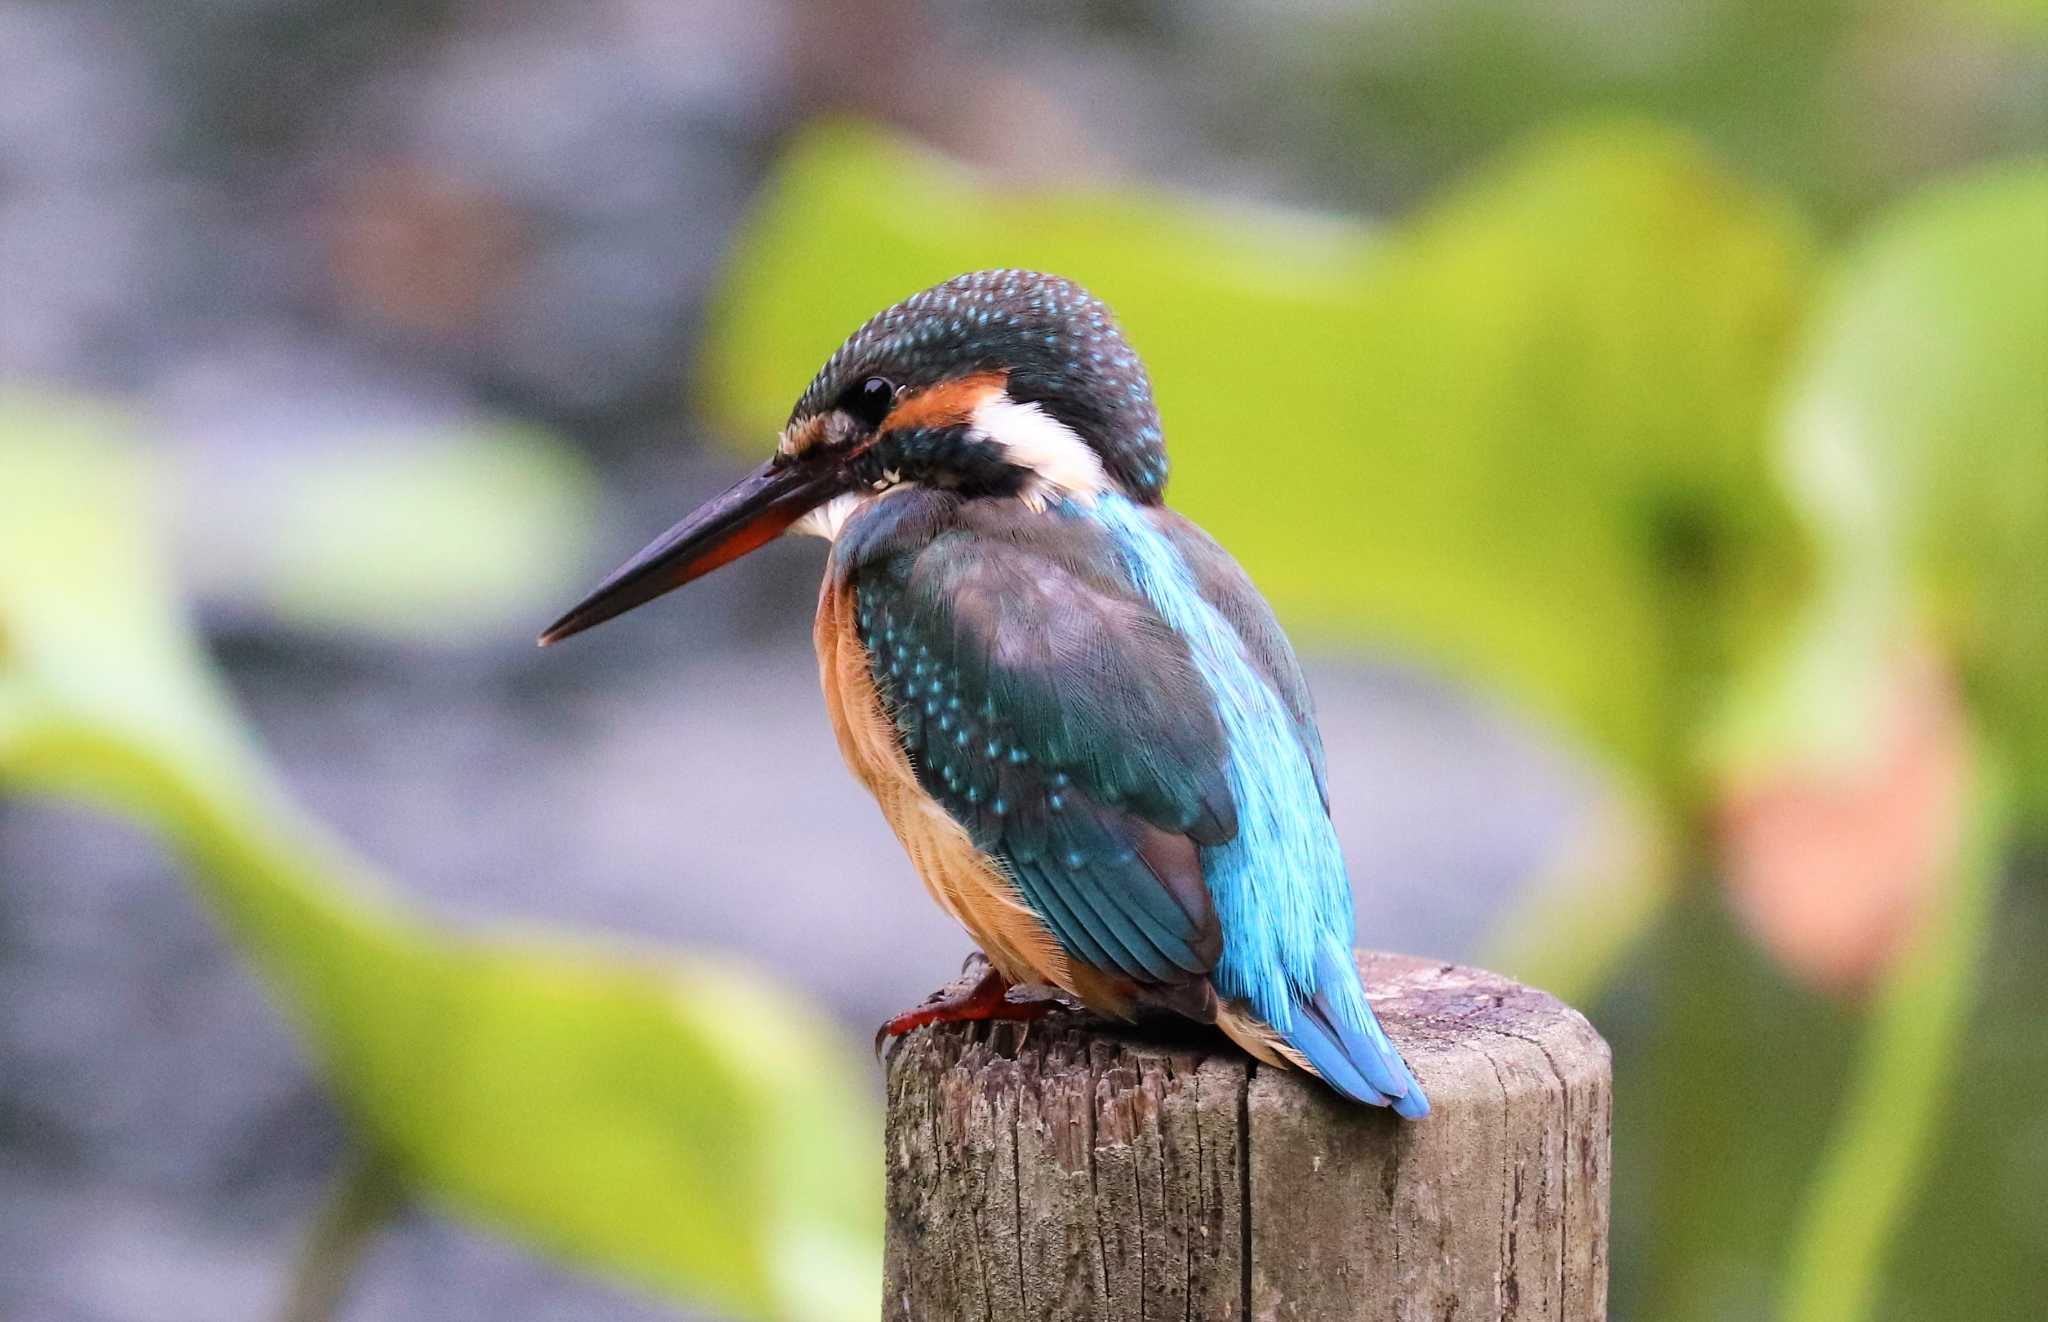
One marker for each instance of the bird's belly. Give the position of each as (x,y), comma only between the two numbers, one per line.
(966,883)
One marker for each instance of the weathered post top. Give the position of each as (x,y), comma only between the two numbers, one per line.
(1074,1168)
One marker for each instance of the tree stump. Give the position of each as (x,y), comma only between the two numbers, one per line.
(1075,1168)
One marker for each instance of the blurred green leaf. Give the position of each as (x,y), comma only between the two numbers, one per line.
(1559,400)
(432,537)
(1727,1078)
(1917,439)
(1973,1245)
(1887,1129)
(791,295)
(1842,104)
(2022,16)
(1521,437)
(681,1121)
(86,632)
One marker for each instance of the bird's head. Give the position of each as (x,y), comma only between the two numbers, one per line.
(1003,385)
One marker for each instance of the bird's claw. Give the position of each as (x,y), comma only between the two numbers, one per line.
(978,993)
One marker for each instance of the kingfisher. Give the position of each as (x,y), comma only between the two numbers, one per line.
(1079,717)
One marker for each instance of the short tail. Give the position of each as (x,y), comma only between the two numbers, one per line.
(1348,1051)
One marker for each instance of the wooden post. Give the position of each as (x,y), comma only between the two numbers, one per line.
(1071,1168)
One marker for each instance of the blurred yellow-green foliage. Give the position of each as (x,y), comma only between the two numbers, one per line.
(681,1120)
(1530,416)
(1674,407)
(1606,431)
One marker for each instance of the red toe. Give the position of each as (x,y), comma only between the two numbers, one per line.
(985,997)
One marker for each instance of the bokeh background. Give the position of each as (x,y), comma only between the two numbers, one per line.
(1638,411)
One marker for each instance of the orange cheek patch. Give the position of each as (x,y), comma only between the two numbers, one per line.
(947,404)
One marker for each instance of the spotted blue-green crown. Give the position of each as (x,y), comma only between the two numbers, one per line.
(1057,343)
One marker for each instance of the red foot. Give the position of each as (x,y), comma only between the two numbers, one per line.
(979,993)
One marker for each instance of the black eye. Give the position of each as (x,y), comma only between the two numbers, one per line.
(871,400)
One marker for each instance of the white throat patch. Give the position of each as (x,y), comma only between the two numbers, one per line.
(829,519)
(1060,462)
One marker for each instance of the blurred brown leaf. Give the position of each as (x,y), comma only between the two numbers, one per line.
(420,250)
(1835,866)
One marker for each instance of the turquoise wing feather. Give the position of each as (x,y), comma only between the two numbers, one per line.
(1051,711)
(1280,886)
(1109,708)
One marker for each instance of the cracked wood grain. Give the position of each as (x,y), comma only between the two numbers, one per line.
(1077,1169)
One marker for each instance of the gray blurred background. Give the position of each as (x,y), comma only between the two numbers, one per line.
(290,230)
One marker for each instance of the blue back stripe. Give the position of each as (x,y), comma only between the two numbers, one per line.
(1280,887)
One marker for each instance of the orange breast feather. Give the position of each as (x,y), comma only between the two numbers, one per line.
(967,883)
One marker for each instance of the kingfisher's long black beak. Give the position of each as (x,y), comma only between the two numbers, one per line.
(753,512)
